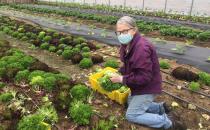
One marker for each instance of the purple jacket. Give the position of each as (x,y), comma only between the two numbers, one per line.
(141,70)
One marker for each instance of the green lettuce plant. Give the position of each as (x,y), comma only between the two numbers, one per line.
(80,92)
(194,86)
(111,63)
(85,63)
(164,64)
(80,113)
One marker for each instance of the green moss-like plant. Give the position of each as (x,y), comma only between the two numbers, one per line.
(52,49)
(3,63)
(33,36)
(13,68)
(6,30)
(26,61)
(37,81)
(85,63)
(10,32)
(36,73)
(22,76)
(62,46)
(80,92)
(21,30)
(98,46)
(2,85)
(84,44)
(6,97)
(20,35)
(28,34)
(86,54)
(3,72)
(49,83)
(104,125)
(79,40)
(86,49)
(47,38)
(41,35)
(62,79)
(59,52)
(194,86)
(204,36)
(65,40)
(67,54)
(78,46)
(76,51)
(164,64)
(33,122)
(15,34)
(111,63)
(68,48)
(63,99)
(49,112)
(80,113)
(45,46)
(56,35)
(204,78)
(24,38)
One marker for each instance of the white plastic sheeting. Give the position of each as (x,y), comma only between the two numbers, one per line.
(200,7)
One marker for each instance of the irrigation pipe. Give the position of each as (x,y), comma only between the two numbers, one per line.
(183,100)
(184,87)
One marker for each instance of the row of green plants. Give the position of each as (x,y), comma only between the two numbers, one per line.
(146,27)
(16,65)
(161,14)
(41,119)
(204,78)
(76,49)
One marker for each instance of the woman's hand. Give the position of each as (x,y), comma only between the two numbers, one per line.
(116,78)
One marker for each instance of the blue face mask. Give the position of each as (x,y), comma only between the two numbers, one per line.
(125,38)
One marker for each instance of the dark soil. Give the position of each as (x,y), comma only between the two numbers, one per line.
(184,74)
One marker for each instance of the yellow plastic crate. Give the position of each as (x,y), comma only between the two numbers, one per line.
(121,98)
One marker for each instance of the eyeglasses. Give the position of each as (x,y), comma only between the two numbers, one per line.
(122,32)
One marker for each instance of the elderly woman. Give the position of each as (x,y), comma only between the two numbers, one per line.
(140,72)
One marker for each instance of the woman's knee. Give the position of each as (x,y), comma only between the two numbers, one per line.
(130,117)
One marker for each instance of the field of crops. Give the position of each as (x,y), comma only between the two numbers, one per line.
(51,59)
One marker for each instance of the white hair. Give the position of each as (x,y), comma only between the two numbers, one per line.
(128,21)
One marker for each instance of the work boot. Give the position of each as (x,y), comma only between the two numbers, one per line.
(166,108)
(176,123)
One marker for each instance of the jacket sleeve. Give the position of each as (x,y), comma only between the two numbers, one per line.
(141,69)
(121,70)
